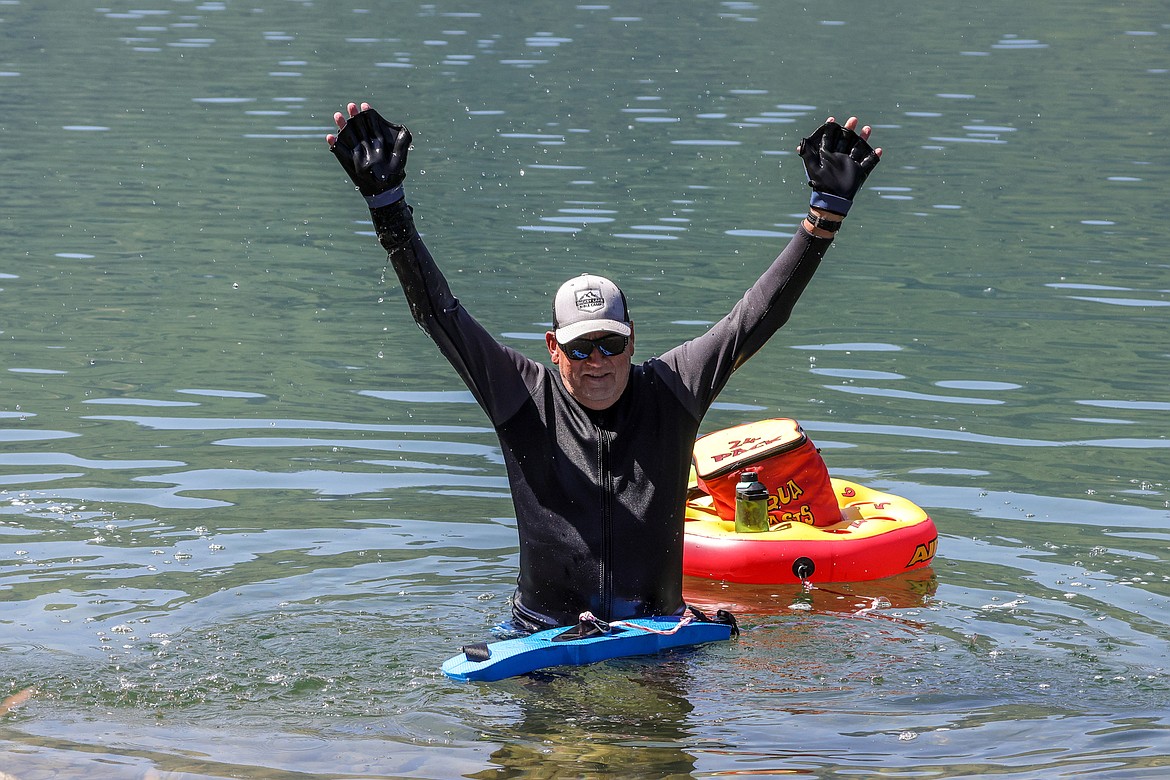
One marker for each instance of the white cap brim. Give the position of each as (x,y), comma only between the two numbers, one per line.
(578,329)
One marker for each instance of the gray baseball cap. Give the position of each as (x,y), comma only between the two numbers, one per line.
(589,303)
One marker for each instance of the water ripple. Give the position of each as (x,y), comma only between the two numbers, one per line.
(235,423)
(967,436)
(912,396)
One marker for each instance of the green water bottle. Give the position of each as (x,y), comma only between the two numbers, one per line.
(751,505)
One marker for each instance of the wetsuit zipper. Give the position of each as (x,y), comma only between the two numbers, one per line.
(605,559)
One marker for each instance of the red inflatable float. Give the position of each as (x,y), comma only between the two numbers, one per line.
(818,528)
(879,535)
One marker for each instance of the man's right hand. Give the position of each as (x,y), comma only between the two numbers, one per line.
(372,151)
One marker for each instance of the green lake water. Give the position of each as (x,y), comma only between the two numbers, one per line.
(246,509)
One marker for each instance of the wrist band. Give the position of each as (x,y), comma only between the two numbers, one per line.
(385,198)
(827,225)
(833,203)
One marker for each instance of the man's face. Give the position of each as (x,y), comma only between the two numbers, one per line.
(598,381)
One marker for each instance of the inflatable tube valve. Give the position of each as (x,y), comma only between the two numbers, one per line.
(803,568)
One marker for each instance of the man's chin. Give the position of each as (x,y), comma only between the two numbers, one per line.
(596,396)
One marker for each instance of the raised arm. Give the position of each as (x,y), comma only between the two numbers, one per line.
(837,159)
(373,152)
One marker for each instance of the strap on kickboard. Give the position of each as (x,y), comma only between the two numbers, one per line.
(587,626)
(477,652)
(721,616)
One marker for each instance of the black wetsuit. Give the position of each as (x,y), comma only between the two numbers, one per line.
(599,495)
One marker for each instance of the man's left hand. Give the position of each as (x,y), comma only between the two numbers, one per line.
(837,160)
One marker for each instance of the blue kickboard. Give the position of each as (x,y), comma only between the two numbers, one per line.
(511,657)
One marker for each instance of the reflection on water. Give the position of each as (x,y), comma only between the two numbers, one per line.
(246,510)
(626,715)
(910,590)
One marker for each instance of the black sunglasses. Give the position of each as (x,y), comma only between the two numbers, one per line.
(579,349)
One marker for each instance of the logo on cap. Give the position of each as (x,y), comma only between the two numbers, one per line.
(590,300)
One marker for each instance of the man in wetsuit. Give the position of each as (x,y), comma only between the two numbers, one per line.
(597,448)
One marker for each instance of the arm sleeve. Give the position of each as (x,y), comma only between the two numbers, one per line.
(497,375)
(699,369)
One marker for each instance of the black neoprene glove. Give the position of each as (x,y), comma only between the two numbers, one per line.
(837,161)
(373,152)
